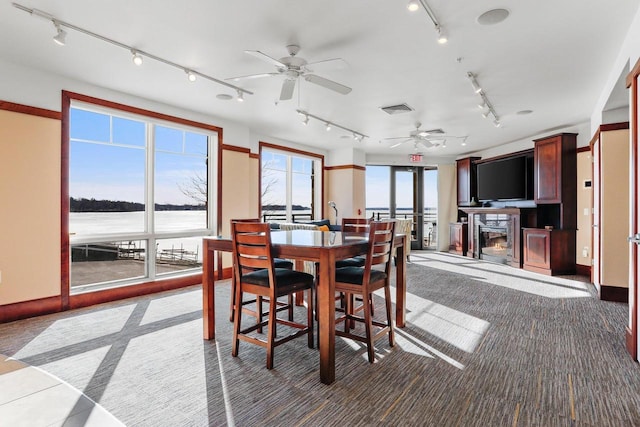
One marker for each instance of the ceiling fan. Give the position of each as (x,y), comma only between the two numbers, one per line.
(292,67)
(424,138)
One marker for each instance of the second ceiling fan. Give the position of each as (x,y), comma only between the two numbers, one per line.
(292,67)
(424,138)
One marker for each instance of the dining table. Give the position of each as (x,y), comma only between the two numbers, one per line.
(323,248)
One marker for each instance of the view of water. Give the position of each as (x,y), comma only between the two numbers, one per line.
(99,223)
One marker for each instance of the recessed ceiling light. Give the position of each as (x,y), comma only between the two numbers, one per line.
(492,17)
(524,112)
(224,96)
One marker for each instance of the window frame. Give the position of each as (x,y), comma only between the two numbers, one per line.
(151,282)
(317,208)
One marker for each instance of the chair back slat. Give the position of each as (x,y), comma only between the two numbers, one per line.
(381,234)
(251,243)
(355,225)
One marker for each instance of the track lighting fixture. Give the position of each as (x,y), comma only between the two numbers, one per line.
(60,38)
(474,82)
(358,136)
(484,100)
(414,5)
(137,58)
(240,96)
(190,75)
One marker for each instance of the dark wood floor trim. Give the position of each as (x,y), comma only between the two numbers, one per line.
(614,294)
(583,270)
(25,309)
(108,295)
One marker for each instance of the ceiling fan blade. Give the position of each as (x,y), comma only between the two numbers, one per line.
(329,84)
(287,89)
(397,144)
(327,64)
(252,76)
(266,58)
(396,137)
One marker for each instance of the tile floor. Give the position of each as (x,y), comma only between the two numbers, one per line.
(31,397)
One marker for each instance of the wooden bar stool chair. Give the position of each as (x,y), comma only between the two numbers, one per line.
(255,273)
(364,281)
(278,263)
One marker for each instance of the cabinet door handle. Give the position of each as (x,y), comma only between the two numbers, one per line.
(634,239)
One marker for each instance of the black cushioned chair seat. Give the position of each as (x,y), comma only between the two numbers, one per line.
(355,275)
(285,279)
(351,262)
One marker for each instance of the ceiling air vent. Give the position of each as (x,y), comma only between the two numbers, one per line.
(396,109)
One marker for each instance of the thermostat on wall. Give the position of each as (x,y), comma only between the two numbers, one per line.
(587,183)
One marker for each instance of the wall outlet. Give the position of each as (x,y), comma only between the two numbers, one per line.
(587,212)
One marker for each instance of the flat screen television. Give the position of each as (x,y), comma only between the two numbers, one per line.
(504,179)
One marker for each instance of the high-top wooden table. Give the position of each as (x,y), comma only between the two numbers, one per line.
(317,246)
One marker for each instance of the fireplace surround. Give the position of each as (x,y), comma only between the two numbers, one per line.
(495,233)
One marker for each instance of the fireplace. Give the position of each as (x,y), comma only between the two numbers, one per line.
(494,243)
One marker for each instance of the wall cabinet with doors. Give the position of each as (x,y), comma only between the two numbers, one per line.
(466,178)
(551,247)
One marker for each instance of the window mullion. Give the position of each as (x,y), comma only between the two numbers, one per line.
(289,195)
(150,202)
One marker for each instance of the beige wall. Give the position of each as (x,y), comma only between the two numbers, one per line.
(346,187)
(447,203)
(29,207)
(614,221)
(584,250)
(239,191)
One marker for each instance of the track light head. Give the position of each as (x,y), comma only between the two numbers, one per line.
(137,58)
(190,75)
(240,96)
(442,36)
(305,120)
(328,126)
(413,5)
(497,123)
(60,37)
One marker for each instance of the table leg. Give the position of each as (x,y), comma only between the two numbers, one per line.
(401,285)
(299,266)
(208,293)
(326,316)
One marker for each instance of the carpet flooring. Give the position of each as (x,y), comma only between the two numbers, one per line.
(485,345)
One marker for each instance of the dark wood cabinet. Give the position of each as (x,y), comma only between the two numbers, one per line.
(555,182)
(549,251)
(466,178)
(458,237)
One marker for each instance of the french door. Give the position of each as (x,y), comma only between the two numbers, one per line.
(407,200)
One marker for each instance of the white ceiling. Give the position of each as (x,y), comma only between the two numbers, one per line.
(552,57)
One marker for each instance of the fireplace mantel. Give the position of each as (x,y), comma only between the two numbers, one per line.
(513,219)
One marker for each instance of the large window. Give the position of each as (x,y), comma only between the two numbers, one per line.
(291,189)
(140,192)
